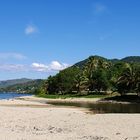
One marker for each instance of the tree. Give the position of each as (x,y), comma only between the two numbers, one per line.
(99,81)
(52,85)
(137,79)
(116,72)
(63,82)
(80,82)
(128,80)
(96,71)
(97,74)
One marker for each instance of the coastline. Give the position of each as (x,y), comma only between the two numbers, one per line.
(48,100)
(29,118)
(34,98)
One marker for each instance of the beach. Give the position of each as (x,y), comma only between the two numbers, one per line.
(32,119)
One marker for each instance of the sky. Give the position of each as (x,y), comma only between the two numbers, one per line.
(40,37)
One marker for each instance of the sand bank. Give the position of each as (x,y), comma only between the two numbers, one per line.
(50,123)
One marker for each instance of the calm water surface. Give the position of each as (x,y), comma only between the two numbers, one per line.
(105,107)
(101,107)
(12,95)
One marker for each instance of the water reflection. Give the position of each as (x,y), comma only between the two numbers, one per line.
(104,107)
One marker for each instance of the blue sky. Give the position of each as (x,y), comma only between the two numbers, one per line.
(41,37)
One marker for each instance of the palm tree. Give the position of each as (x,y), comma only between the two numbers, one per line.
(89,68)
(137,80)
(80,82)
(127,80)
(94,64)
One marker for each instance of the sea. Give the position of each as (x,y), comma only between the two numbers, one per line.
(12,95)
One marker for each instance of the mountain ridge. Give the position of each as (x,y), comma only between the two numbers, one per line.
(29,85)
(6,83)
(128,59)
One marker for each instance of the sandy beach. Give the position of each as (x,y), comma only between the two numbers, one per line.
(33,120)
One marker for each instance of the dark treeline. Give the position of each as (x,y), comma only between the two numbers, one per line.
(95,75)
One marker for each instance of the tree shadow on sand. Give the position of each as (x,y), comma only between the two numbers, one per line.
(124,98)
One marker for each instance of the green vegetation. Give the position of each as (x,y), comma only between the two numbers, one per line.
(4,84)
(31,86)
(131,59)
(71,96)
(94,76)
(90,78)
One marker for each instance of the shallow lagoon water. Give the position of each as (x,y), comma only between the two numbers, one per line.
(104,107)
(99,107)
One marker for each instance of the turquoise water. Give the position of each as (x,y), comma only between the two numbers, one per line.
(12,95)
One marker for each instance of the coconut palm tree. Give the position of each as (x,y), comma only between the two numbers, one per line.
(80,82)
(127,80)
(93,65)
(137,80)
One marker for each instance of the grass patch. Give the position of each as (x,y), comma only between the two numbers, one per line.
(71,96)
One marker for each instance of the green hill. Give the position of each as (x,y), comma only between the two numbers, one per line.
(82,63)
(26,87)
(130,59)
(7,83)
(97,74)
(65,76)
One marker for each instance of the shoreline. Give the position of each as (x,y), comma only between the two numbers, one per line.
(41,99)
(34,98)
(30,118)
(39,102)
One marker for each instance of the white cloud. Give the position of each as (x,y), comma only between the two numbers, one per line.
(53,66)
(39,67)
(30,29)
(56,66)
(10,55)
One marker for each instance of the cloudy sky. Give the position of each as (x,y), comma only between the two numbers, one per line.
(41,37)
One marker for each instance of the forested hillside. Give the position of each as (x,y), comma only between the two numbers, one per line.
(130,59)
(93,75)
(97,75)
(7,83)
(28,87)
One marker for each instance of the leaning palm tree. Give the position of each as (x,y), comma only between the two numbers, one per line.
(137,79)
(127,80)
